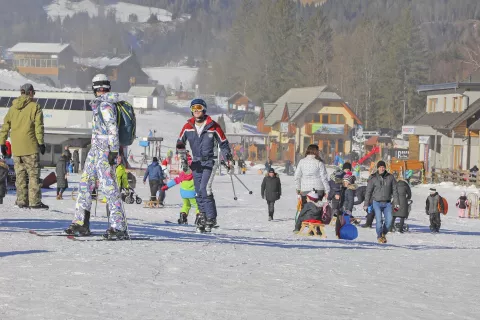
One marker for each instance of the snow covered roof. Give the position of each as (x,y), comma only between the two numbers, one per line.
(39,47)
(101,62)
(143,91)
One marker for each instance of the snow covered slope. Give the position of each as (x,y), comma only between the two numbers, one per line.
(14,80)
(123,10)
(173,76)
(248,269)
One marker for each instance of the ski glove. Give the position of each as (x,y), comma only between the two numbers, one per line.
(111,157)
(164,188)
(4,150)
(230,158)
(42,149)
(180,145)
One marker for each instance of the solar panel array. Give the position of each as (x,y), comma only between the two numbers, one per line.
(53,103)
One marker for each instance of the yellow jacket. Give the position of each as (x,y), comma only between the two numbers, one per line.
(122,180)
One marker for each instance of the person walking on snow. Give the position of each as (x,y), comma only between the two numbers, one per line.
(311,174)
(201,132)
(3,179)
(462,205)
(381,187)
(272,191)
(154,173)
(100,165)
(433,207)
(24,122)
(404,195)
(62,173)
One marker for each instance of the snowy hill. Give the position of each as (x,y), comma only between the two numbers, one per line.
(14,80)
(173,76)
(123,10)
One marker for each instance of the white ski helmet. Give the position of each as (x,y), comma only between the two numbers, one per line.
(100,81)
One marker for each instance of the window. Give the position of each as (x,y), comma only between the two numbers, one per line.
(316,118)
(67,105)
(57,148)
(78,105)
(43,63)
(5,102)
(445,104)
(333,118)
(454,108)
(340,145)
(432,105)
(309,117)
(460,104)
(341,119)
(41,102)
(60,103)
(50,103)
(48,148)
(325,118)
(88,107)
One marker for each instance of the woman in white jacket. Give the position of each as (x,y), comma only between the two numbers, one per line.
(311,174)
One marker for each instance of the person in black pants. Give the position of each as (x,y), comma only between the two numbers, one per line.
(271,190)
(154,173)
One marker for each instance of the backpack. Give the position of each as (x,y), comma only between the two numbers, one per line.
(327,213)
(126,123)
(348,231)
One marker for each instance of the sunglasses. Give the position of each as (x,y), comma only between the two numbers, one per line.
(197,107)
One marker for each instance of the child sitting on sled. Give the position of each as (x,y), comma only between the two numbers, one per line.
(310,211)
(187,191)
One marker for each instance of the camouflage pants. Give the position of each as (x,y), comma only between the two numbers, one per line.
(27,166)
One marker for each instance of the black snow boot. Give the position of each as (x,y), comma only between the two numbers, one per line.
(115,234)
(41,205)
(270,217)
(368,223)
(210,224)
(78,230)
(183,218)
(201,222)
(1,200)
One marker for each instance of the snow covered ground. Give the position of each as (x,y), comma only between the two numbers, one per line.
(173,76)
(12,80)
(63,8)
(249,268)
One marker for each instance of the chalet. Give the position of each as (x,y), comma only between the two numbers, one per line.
(446,134)
(49,63)
(303,116)
(148,97)
(123,72)
(241,102)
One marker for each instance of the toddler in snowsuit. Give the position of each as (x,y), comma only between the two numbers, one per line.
(310,211)
(187,191)
(3,179)
(347,199)
(462,204)
(433,208)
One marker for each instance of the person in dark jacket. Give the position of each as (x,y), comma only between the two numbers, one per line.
(68,154)
(271,191)
(310,211)
(154,173)
(3,179)
(462,205)
(347,200)
(336,184)
(61,172)
(76,161)
(433,208)
(381,187)
(404,194)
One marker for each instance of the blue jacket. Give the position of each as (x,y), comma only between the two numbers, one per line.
(202,146)
(153,172)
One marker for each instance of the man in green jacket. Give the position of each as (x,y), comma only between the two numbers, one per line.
(24,122)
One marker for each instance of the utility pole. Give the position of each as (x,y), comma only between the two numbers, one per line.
(404,101)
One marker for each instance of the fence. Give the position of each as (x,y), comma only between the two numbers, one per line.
(460,177)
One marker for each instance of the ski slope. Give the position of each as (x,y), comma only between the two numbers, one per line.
(248,268)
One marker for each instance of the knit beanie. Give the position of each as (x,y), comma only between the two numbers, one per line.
(347,165)
(313,196)
(381,163)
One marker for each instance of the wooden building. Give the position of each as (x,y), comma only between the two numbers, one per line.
(49,63)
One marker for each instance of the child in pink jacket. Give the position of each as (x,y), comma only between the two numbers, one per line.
(462,204)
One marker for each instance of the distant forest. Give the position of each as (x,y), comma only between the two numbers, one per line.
(372,52)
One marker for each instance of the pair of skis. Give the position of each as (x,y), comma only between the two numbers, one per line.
(92,237)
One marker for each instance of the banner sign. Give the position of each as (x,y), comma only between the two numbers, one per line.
(322,128)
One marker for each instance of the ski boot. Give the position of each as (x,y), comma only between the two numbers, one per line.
(200,222)
(210,224)
(78,230)
(183,218)
(115,234)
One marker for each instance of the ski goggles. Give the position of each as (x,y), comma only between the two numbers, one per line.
(197,107)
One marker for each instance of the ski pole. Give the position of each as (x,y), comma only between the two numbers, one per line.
(249,191)
(231,179)
(234,194)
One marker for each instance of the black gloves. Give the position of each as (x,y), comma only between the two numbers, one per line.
(230,158)
(180,145)
(42,149)
(4,150)
(112,156)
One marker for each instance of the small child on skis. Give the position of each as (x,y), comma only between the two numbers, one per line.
(187,191)
(3,179)
(462,204)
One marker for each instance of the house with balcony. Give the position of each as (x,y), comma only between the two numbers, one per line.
(304,116)
(49,63)
(446,134)
(239,102)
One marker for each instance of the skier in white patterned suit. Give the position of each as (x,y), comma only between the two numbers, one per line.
(99,165)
